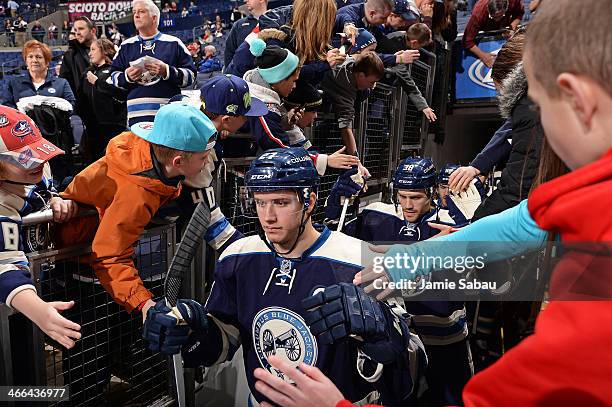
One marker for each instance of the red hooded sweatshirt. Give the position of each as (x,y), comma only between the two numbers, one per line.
(568,360)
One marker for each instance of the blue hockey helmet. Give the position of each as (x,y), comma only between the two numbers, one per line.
(415,173)
(445,173)
(282,169)
(277,170)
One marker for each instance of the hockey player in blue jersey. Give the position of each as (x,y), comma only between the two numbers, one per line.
(440,324)
(410,216)
(443,175)
(287,292)
(458,207)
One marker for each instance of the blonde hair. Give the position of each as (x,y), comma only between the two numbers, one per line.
(165,155)
(558,42)
(312,24)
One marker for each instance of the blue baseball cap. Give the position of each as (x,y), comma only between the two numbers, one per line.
(364,39)
(178,126)
(229,95)
(403,8)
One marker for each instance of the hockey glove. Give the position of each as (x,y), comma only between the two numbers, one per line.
(344,310)
(461,206)
(164,330)
(396,342)
(349,184)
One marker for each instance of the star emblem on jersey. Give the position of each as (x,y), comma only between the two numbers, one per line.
(3,120)
(282,332)
(22,129)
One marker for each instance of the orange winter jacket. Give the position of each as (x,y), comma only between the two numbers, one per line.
(125,189)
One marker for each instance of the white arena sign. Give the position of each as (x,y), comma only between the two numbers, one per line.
(99,11)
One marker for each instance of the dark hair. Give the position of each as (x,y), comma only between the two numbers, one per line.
(369,64)
(107,47)
(497,6)
(442,17)
(510,54)
(89,23)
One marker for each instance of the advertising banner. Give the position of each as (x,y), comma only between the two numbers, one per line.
(473,78)
(99,11)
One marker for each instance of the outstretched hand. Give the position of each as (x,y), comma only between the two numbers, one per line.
(312,388)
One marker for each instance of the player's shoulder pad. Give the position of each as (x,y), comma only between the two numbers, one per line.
(341,248)
(383,208)
(245,246)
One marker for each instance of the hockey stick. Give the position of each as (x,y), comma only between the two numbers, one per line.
(179,268)
(343,214)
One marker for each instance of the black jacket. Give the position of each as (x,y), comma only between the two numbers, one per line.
(236,36)
(107,102)
(526,135)
(74,64)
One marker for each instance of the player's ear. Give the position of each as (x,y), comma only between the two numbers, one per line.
(312,203)
(581,95)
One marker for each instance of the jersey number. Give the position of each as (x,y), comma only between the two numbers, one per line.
(10,231)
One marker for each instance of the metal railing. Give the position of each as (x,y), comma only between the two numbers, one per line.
(110,364)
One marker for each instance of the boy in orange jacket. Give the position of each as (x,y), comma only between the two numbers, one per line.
(142,170)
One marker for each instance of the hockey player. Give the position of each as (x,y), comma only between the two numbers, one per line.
(406,219)
(440,324)
(262,297)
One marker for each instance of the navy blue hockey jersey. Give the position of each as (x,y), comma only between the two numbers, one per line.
(436,322)
(150,93)
(255,303)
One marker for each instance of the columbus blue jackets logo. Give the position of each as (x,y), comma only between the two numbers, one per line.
(25,156)
(480,74)
(282,332)
(3,120)
(22,129)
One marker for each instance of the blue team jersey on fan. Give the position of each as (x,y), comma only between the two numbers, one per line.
(150,93)
(256,302)
(436,322)
(17,201)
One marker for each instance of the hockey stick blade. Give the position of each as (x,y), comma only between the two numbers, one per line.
(181,262)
